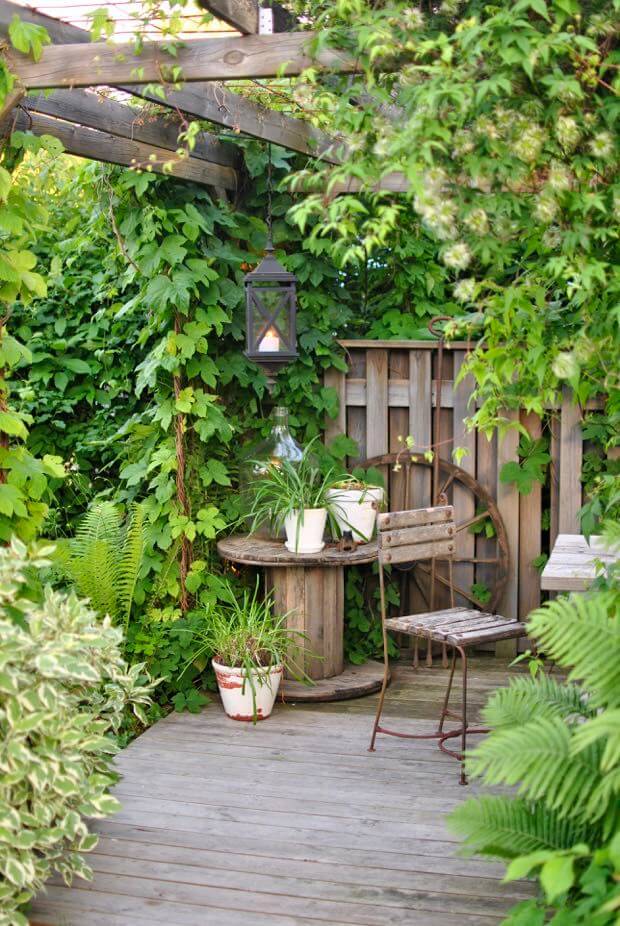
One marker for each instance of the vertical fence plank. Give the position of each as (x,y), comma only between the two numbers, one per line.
(554,480)
(530,507)
(571,452)
(335,379)
(420,422)
(464,502)
(356,417)
(376,402)
(508,504)
(486,475)
(398,427)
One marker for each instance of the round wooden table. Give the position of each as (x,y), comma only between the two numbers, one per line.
(309,589)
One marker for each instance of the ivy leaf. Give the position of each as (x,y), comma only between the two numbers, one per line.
(27,37)
(10,423)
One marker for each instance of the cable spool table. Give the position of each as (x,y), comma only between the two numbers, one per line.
(309,589)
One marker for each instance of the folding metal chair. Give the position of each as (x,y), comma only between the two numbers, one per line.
(425,533)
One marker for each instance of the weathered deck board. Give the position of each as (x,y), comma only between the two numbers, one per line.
(290,823)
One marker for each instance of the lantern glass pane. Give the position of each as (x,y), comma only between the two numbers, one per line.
(270,318)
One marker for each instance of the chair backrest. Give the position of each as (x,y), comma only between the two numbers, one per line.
(422,533)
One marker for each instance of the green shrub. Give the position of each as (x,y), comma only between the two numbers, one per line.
(64,688)
(559,743)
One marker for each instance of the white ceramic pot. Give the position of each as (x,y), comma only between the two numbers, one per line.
(356,510)
(305,535)
(240,703)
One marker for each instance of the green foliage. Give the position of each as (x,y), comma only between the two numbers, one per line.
(501,119)
(285,489)
(559,742)
(105,557)
(64,690)
(531,466)
(241,631)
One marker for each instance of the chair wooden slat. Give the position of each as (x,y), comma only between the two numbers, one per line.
(419,534)
(395,520)
(417,551)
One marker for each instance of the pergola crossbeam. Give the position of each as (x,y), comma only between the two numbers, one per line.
(112,149)
(208,101)
(230,58)
(240,14)
(97,112)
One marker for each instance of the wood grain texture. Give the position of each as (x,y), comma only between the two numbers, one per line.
(240,14)
(397,520)
(209,101)
(530,510)
(571,454)
(97,112)
(335,379)
(290,823)
(101,146)
(573,564)
(377,403)
(254,551)
(463,500)
(237,58)
(508,504)
(420,425)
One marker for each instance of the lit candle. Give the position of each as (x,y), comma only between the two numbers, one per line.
(270,341)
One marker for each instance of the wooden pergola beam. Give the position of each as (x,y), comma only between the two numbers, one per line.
(240,14)
(102,146)
(230,58)
(208,101)
(244,15)
(97,112)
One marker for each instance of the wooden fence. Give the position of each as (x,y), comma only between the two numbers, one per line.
(389,390)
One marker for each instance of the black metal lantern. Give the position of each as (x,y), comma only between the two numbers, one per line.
(271,306)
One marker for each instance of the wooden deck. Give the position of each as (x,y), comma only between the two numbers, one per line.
(290,823)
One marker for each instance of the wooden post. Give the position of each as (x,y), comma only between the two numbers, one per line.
(571,454)
(529,534)
(313,600)
(508,504)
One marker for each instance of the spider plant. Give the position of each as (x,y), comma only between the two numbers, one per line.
(241,631)
(287,490)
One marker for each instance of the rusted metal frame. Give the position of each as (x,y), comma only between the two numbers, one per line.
(483,496)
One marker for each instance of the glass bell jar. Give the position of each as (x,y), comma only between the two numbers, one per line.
(279,445)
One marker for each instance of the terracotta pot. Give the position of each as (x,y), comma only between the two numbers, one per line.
(356,510)
(240,702)
(305,536)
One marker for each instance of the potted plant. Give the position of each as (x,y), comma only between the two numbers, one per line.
(293,496)
(354,504)
(250,649)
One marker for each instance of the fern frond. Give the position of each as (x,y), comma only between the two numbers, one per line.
(101,523)
(506,827)
(537,756)
(130,562)
(582,632)
(526,698)
(606,726)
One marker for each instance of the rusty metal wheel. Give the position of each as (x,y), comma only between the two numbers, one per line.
(487,560)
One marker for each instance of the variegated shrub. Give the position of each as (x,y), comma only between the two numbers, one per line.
(63,689)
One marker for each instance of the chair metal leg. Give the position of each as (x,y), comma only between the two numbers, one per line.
(386,675)
(463,653)
(446,700)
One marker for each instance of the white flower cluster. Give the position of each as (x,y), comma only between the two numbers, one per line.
(437,210)
(477,221)
(568,132)
(529,142)
(552,238)
(457,256)
(465,290)
(602,145)
(560,178)
(546,208)
(412,18)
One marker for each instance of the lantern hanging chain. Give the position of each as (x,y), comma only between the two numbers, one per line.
(269,192)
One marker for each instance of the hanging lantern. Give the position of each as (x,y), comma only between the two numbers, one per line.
(271,306)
